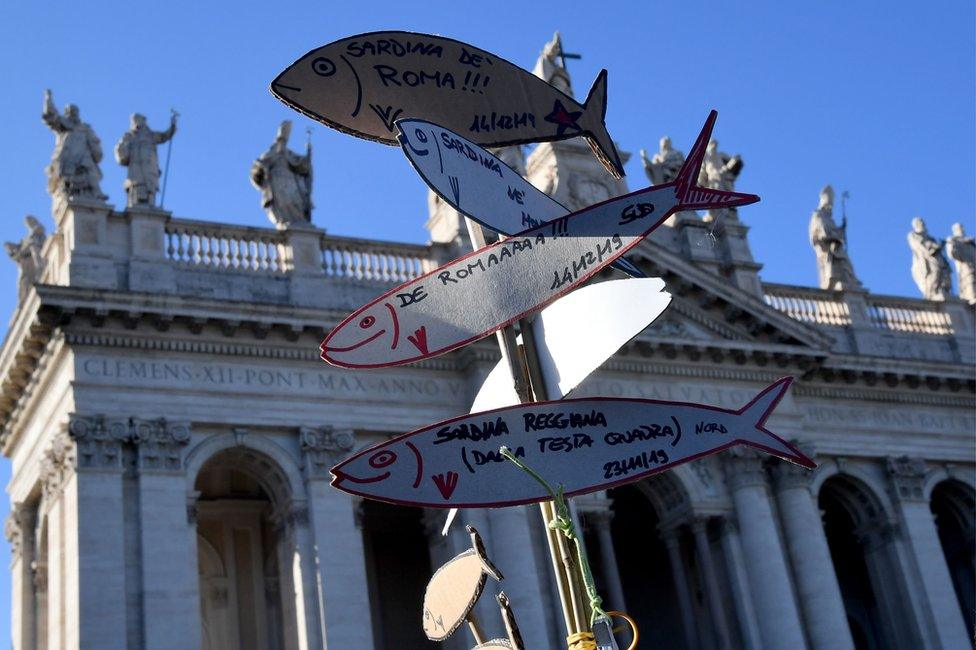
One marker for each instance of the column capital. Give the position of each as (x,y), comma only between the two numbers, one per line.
(56,467)
(788,476)
(13,528)
(744,469)
(160,443)
(907,478)
(98,441)
(322,447)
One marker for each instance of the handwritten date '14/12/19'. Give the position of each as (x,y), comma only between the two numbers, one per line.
(584,444)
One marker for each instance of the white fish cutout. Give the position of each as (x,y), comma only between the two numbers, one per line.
(455,588)
(576,334)
(514,640)
(583,444)
(475,295)
(478,184)
(360,85)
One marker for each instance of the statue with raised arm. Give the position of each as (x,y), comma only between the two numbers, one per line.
(718,172)
(73,171)
(27,254)
(829,242)
(136,150)
(930,268)
(664,165)
(962,250)
(285,180)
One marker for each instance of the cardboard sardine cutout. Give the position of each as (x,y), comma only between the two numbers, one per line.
(514,640)
(583,444)
(475,295)
(576,334)
(478,184)
(455,588)
(362,84)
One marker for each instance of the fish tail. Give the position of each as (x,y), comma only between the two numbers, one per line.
(690,195)
(479,548)
(596,134)
(756,412)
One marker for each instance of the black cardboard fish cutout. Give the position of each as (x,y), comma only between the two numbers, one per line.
(362,84)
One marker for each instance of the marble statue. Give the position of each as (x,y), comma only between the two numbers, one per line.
(73,171)
(664,166)
(136,150)
(829,242)
(285,180)
(550,66)
(930,268)
(27,254)
(719,171)
(962,250)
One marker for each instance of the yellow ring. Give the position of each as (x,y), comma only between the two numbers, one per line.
(633,627)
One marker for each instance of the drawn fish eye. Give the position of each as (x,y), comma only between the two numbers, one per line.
(420,135)
(323,67)
(367,322)
(382,459)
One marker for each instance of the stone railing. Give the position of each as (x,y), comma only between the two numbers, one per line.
(883,312)
(907,315)
(368,259)
(224,246)
(808,305)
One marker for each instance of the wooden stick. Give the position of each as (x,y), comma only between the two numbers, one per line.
(479,636)
(527,390)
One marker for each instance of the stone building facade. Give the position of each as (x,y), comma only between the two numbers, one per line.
(171,429)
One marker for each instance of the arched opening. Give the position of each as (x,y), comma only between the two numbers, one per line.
(244,553)
(954,507)
(397,571)
(860,542)
(645,572)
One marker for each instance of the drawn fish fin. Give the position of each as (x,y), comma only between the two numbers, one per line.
(690,195)
(479,548)
(595,128)
(757,412)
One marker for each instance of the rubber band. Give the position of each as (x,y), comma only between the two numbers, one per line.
(581,641)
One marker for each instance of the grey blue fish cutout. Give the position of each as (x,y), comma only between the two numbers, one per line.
(362,84)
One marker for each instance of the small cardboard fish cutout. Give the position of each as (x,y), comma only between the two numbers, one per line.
(478,294)
(455,588)
(514,640)
(576,334)
(362,84)
(478,184)
(583,444)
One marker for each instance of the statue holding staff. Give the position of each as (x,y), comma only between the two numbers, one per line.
(285,180)
(136,150)
(73,171)
(829,242)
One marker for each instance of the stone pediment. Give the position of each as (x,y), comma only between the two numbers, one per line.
(708,307)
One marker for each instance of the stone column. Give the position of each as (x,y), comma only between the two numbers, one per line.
(699,529)
(87,604)
(732,547)
(939,617)
(779,618)
(817,588)
(343,594)
(511,545)
(170,583)
(19,531)
(680,576)
(600,521)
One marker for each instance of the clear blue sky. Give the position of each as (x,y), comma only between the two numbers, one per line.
(875,98)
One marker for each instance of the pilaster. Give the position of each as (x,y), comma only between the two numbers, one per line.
(776,609)
(338,544)
(939,617)
(817,588)
(19,531)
